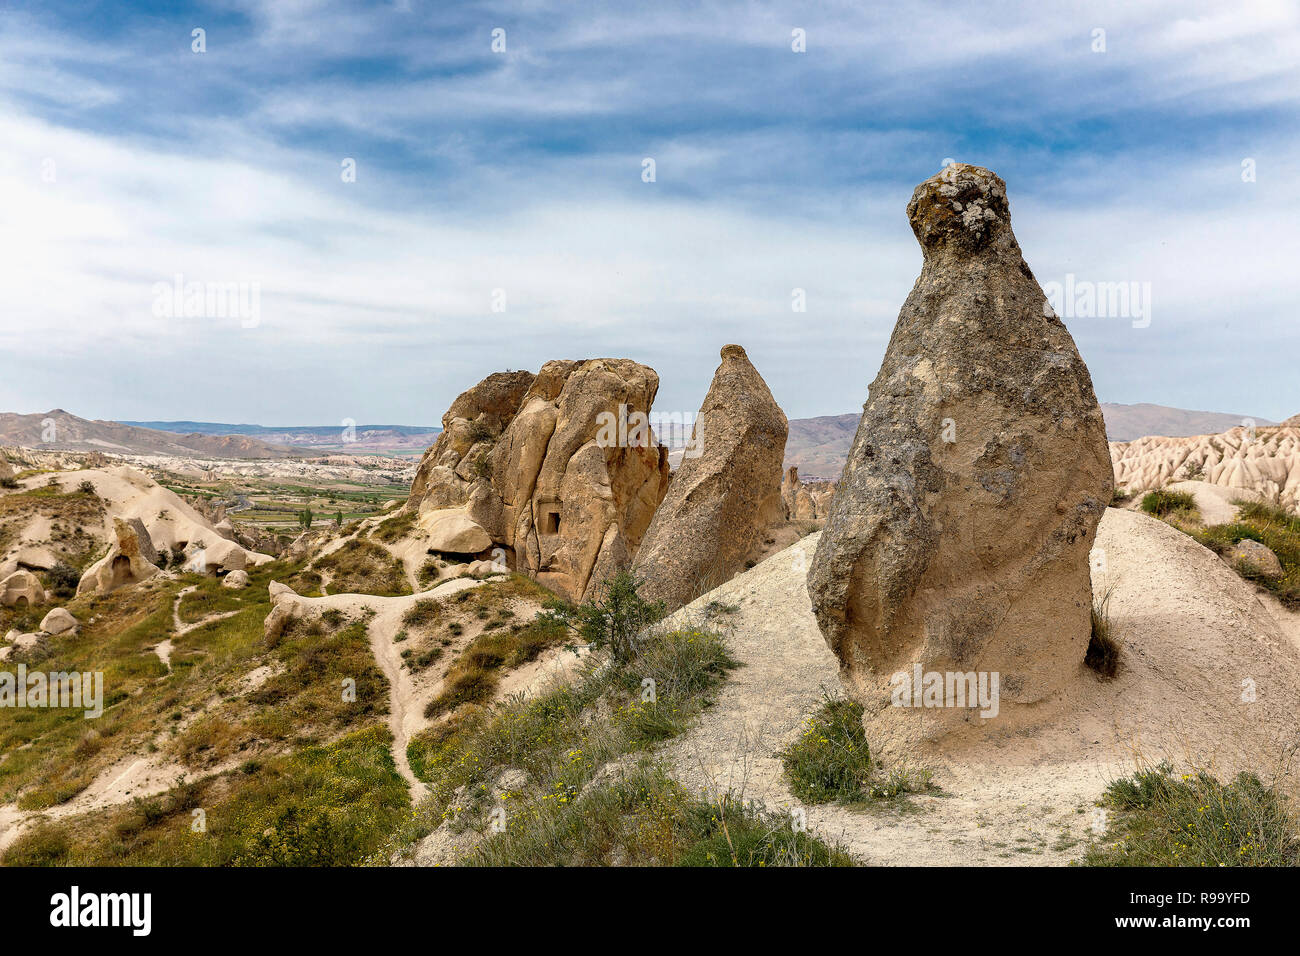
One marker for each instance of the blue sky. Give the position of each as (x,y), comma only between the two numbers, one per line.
(126,159)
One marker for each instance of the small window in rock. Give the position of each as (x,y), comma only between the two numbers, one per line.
(551,521)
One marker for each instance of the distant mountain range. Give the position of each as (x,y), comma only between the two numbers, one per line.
(321,439)
(58,430)
(819,446)
(1126,422)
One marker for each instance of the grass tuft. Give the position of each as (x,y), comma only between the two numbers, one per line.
(1162,818)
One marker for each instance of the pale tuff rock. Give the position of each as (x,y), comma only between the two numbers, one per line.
(1252,556)
(58,621)
(959,535)
(276,590)
(1263,460)
(124,493)
(21,589)
(469,429)
(805,500)
(236,580)
(6,469)
(131,560)
(560,471)
(451,530)
(721,503)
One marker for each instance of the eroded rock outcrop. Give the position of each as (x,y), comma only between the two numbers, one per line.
(805,500)
(723,501)
(959,535)
(21,589)
(131,560)
(560,471)
(58,621)
(1260,459)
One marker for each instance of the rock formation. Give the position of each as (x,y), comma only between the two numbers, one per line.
(235,580)
(58,621)
(21,589)
(1263,459)
(721,502)
(131,560)
(805,500)
(959,535)
(559,470)
(1256,558)
(449,470)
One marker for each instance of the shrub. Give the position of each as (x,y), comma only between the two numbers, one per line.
(1193,819)
(422,613)
(1162,503)
(614,619)
(1103,649)
(831,760)
(64,579)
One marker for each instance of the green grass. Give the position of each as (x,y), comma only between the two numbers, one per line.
(647,819)
(1163,818)
(363,567)
(302,704)
(395,528)
(474,677)
(569,813)
(423,613)
(1275,528)
(1163,503)
(831,761)
(196,712)
(560,740)
(332,804)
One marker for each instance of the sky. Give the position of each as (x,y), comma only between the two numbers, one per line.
(411,195)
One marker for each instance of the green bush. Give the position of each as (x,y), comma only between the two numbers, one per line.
(613,619)
(831,760)
(1192,819)
(1162,503)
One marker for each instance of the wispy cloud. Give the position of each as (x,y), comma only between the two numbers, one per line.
(522,172)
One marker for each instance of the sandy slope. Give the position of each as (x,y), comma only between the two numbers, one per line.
(128,493)
(1022,791)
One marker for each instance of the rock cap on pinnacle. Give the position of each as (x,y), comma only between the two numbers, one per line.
(961,207)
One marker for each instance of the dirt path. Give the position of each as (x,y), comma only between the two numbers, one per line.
(406,701)
(125,780)
(1191,631)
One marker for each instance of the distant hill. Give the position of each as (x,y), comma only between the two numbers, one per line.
(319,439)
(58,430)
(1126,422)
(819,446)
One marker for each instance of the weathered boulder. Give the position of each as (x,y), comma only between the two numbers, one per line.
(560,470)
(958,539)
(276,590)
(21,589)
(131,560)
(1254,557)
(723,501)
(58,621)
(236,580)
(453,531)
